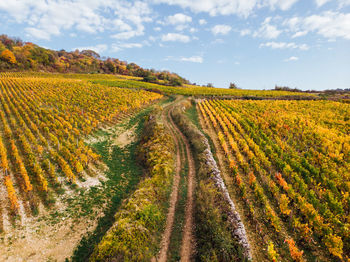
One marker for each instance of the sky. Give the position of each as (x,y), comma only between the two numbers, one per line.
(256,44)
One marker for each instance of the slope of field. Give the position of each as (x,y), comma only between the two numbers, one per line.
(135,235)
(290,163)
(191,90)
(43,124)
(67,162)
(131,82)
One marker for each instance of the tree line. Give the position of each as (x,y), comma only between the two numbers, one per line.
(16,55)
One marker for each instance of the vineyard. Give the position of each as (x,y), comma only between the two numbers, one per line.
(142,171)
(43,124)
(289,167)
(193,90)
(131,82)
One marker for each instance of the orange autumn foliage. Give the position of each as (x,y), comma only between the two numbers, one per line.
(8,56)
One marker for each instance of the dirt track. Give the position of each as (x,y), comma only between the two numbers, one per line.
(187,245)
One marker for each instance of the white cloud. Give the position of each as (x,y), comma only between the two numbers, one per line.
(202,22)
(45,19)
(284,45)
(281,4)
(121,46)
(341,3)
(214,7)
(120,25)
(228,7)
(131,45)
(193,59)
(127,35)
(181,27)
(292,23)
(157,29)
(221,29)
(292,58)
(38,33)
(218,41)
(97,48)
(321,2)
(267,30)
(179,19)
(329,24)
(174,37)
(299,34)
(245,32)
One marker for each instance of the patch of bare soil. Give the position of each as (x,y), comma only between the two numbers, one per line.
(43,238)
(125,138)
(40,241)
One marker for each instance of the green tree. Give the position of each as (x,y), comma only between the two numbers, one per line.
(233,86)
(175,81)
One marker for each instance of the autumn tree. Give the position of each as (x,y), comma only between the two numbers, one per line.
(90,53)
(8,56)
(2,47)
(110,66)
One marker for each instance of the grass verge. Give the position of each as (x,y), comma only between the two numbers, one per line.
(123,175)
(136,232)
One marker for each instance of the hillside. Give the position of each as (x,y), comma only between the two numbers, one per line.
(174,131)
(16,55)
(101,166)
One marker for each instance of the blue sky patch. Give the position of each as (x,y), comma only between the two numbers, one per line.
(254,43)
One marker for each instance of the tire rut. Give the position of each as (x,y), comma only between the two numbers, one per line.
(164,246)
(187,244)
